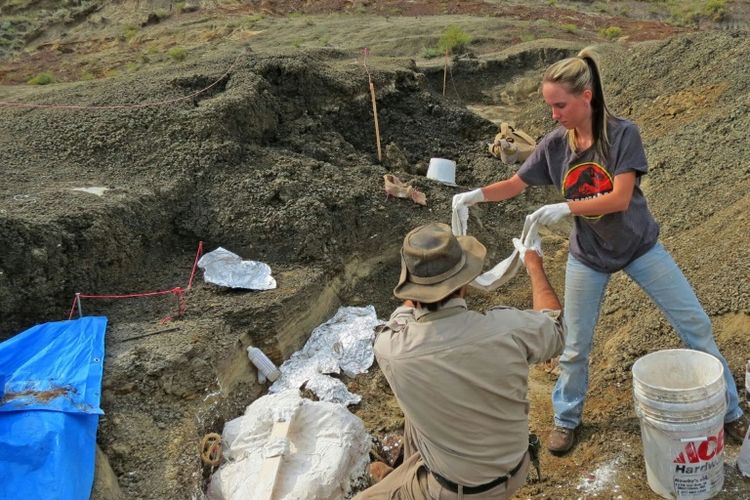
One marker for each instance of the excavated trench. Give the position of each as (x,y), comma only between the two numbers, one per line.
(276,165)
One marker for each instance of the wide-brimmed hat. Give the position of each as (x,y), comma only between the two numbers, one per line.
(434,263)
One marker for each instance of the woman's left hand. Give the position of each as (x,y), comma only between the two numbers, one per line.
(551,214)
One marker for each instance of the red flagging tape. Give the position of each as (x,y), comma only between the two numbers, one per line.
(195,264)
(174,291)
(178,291)
(73,307)
(190,97)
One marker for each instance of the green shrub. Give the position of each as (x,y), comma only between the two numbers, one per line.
(611,33)
(41,79)
(691,12)
(431,52)
(129,32)
(62,16)
(601,7)
(454,40)
(86,76)
(251,20)
(7,29)
(177,53)
(569,27)
(715,10)
(684,15)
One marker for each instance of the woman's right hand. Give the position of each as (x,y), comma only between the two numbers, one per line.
(467,199)
(460,214)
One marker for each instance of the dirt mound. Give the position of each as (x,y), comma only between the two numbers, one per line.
(278,164)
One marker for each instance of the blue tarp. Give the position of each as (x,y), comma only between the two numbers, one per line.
(50,380)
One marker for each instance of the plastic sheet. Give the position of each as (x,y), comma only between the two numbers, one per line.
(50,409)
(341,344)
(224,268)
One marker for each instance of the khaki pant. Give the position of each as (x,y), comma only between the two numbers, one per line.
(412,481)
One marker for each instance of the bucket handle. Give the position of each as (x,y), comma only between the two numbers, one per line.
(691,439)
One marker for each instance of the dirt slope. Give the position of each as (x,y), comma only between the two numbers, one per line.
(277,162)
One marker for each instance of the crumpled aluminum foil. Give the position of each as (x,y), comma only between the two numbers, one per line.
(224,268)
(341,344)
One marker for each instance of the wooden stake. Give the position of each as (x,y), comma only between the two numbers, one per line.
(270,468)
(445,72)
(375,114)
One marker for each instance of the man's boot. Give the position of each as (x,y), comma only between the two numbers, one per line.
(561,440)
(736,430)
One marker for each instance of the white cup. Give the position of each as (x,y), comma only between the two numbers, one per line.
(442,170)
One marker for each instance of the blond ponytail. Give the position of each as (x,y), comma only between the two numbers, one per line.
(578,74)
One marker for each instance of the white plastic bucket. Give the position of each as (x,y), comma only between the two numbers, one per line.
(442,170)
(680,399)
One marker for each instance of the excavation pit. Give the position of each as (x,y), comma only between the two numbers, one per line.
(277,164)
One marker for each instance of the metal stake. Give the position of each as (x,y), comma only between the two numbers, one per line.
(80,309)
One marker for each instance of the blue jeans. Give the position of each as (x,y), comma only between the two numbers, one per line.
(658,275)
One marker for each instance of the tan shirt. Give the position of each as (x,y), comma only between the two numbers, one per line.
(461,378)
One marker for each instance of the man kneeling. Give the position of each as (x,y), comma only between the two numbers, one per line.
(461,376)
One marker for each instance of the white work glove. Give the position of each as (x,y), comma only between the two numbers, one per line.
(460,221)
(467,199)
(551,214)
(460,205)
(536,245)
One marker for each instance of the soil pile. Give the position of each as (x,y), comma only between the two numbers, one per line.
(277,163)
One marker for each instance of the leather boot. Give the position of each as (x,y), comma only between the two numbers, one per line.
(561,440)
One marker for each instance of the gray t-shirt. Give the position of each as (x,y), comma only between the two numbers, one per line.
(605,243)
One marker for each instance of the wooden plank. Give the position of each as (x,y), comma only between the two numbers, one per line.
(270,469)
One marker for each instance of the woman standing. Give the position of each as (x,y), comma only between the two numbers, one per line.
(596,160)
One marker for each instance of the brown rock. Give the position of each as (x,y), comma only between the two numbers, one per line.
(392,448)
(378,471)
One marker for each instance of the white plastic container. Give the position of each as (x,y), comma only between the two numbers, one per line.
(442,170)
(680,399)
(743,459)
(266,369)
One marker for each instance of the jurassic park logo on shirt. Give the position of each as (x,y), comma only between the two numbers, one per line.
(586,181)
